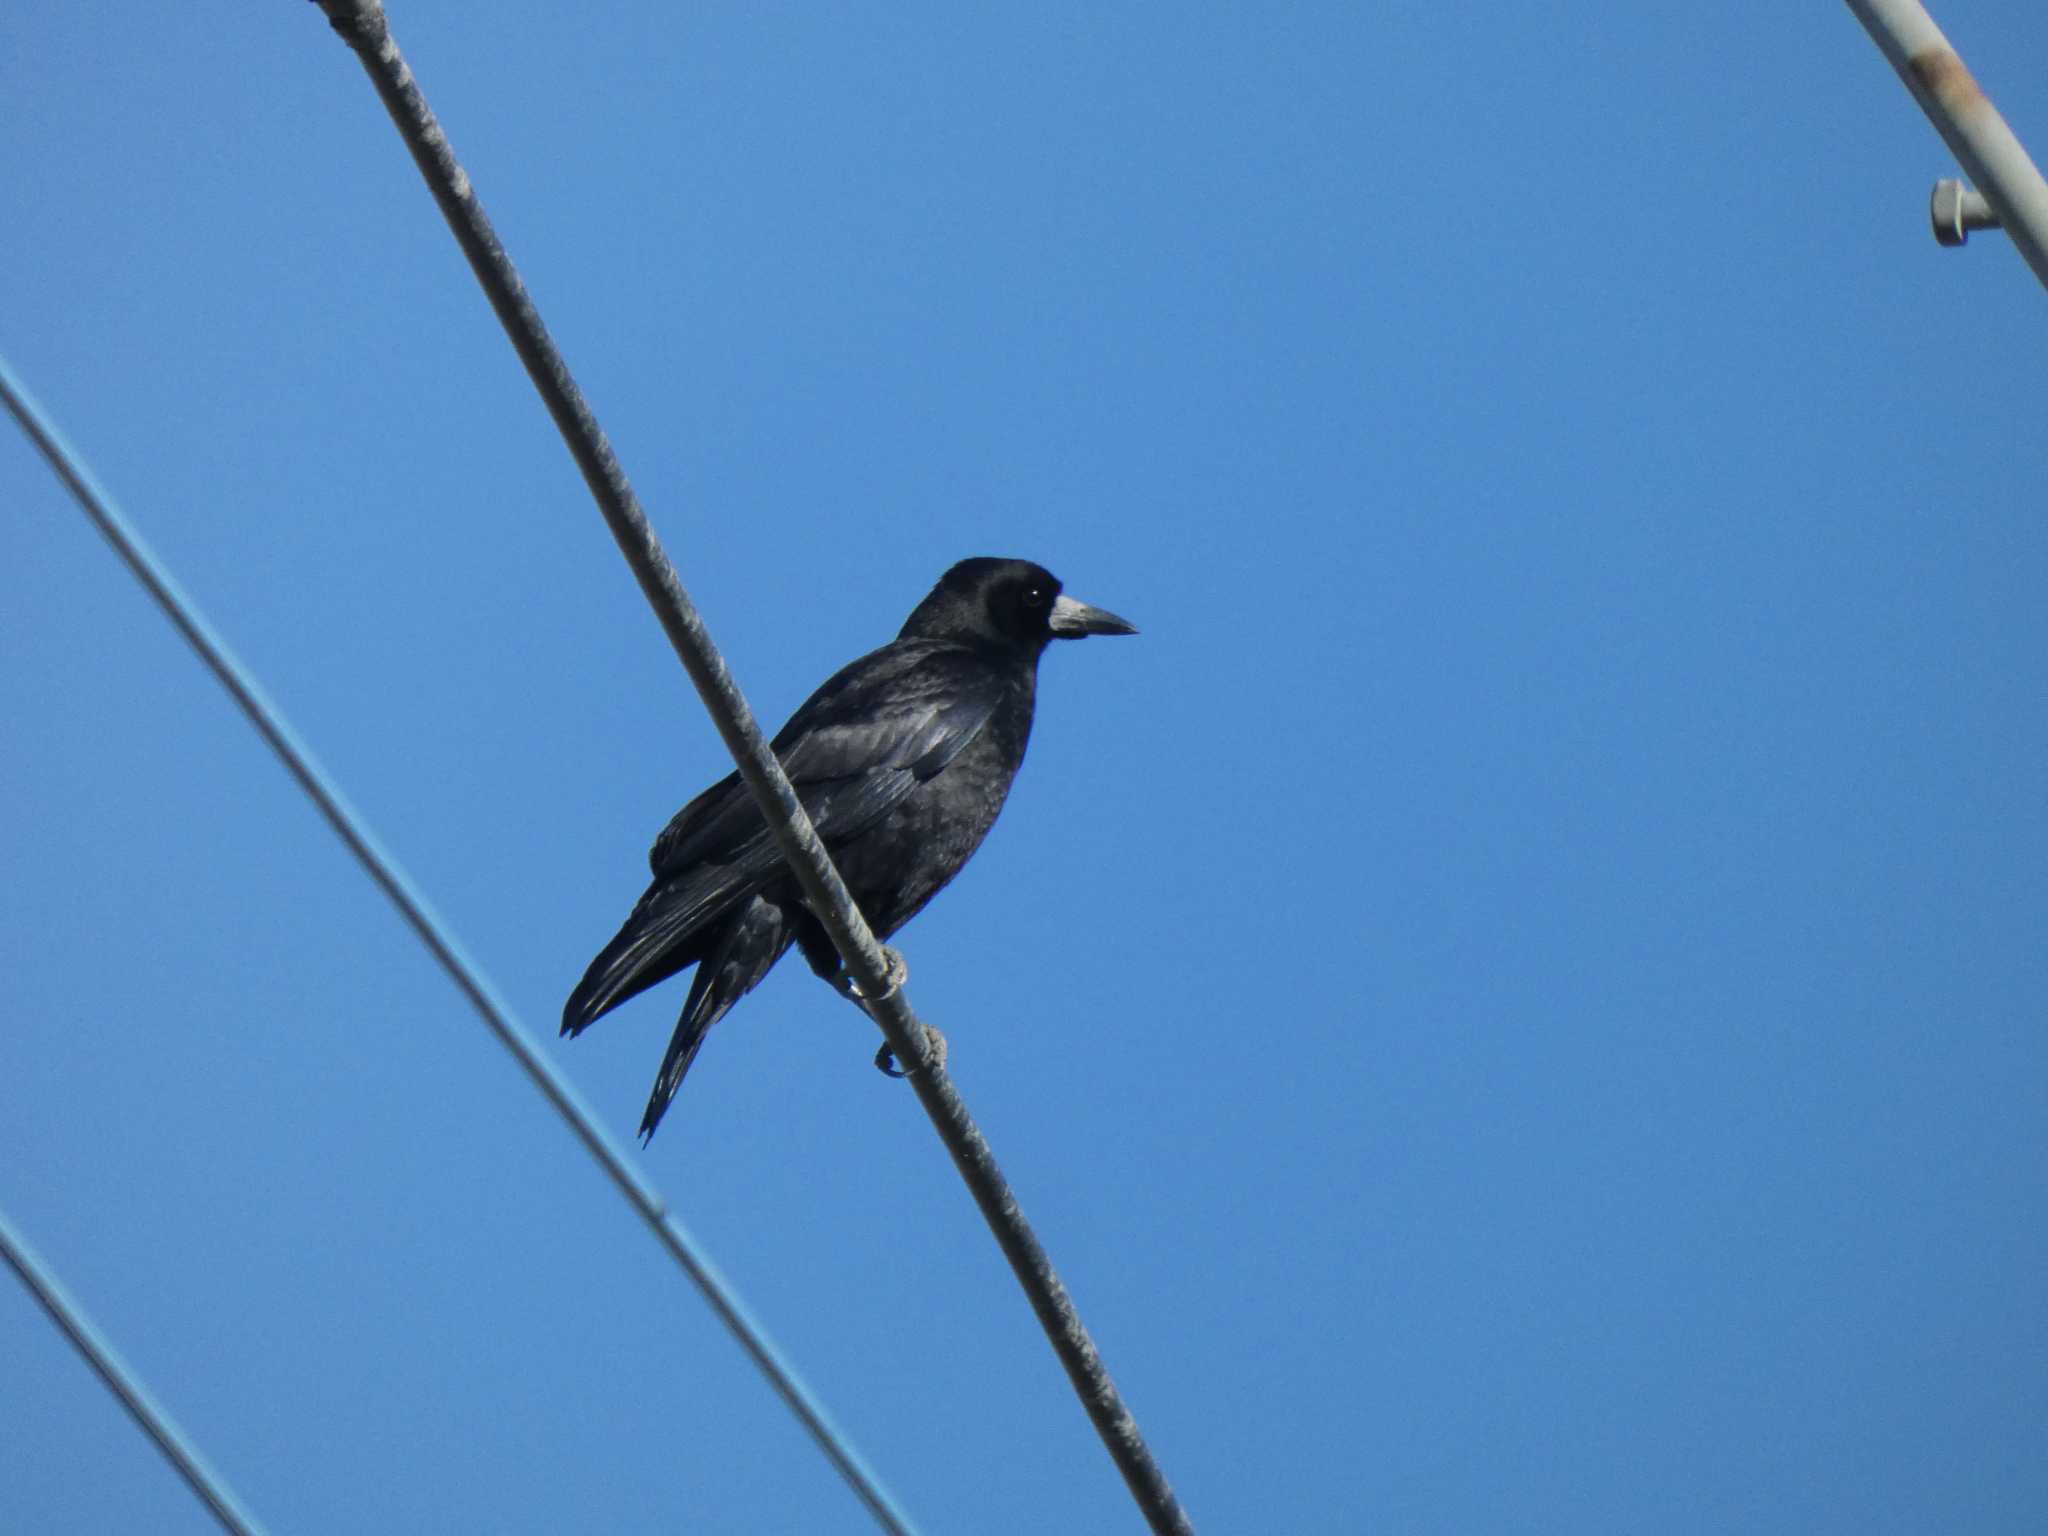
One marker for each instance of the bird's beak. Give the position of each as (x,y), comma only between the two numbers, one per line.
(1070,620)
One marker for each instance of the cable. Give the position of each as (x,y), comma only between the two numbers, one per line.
(101,1355)
(435,934)
(362,25)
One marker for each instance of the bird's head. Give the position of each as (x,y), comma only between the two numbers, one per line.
(1008,603)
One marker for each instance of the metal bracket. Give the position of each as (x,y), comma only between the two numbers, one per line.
(1956,210)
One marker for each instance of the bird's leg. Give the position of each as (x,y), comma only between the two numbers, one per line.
(824,960)
(842,981)
(934,1042)
(897,972)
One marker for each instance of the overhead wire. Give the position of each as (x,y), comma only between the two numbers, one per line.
(363,26)
(120,1378)
(432,931)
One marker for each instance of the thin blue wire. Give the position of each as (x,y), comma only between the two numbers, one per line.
(496,1014)
(212,1489)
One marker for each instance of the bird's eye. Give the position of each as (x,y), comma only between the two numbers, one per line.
(1035,597)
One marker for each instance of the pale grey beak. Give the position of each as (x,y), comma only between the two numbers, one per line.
(1070,620)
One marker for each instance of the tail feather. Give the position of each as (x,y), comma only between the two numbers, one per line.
(670,928)
(742,950)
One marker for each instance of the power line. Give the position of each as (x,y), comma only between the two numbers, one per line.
(101,1355)
(362,25)
(436,935)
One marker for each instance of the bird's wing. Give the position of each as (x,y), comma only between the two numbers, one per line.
(863,741)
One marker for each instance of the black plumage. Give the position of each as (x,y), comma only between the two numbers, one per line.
(902,760)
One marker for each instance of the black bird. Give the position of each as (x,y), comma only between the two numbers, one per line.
(902,760)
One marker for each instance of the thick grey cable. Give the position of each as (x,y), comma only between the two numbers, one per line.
(101,1355)
(436,935)
(362,24)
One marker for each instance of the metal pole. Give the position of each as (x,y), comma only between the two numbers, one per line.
(1966,120)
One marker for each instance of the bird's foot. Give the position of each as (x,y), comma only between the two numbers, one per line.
(898,973)
(934,1043)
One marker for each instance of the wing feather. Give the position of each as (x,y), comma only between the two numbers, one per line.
(877,729)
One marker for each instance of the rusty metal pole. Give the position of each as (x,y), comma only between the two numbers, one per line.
(1965,118)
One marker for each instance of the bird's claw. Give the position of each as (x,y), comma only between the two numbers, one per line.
(896,970)
(896,973)
(934,1044)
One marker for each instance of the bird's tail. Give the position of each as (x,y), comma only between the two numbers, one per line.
(742,950)
(667,932)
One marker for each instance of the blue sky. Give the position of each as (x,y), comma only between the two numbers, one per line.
(1517,1005)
